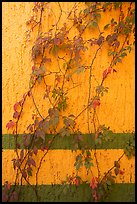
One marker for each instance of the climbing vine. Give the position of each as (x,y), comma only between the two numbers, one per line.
(65,46)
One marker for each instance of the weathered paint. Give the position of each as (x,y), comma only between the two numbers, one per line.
(116,109)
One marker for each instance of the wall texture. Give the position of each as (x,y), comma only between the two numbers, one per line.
(116,109)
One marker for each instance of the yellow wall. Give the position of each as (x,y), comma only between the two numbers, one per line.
(117,106)
(16,70)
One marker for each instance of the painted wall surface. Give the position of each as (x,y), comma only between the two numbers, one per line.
(117,107)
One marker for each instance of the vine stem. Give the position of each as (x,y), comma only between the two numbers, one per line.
(112,168)
(90,76)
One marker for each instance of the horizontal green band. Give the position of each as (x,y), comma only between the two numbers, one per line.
(122,192)
(116,141)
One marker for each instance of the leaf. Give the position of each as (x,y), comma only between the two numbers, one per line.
(72,116)
(26,140)
(105,5)
(111,53)
(24,174)
(116,170)
(51,112)
(93,183)
(45,125)
(88,4)
(116,164)
(54,49)
(79,157)
(78,165)
(31,82)
(15,115)
(119,60)
(117,43)
(94,24)
(79,70)
(4,196)
(76,181)
(35,150)
(108,182)
(21,154)
(117,5)
(105,73)
(33,162)
(29,171)
(108,37)
(16,105)
(95,103)
(10,124)
(68,122)
(40,134)
(100,40)
(123,54)
(64,132)
(88,153)
(106,26)
(39,79)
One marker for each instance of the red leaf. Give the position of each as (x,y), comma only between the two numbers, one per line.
(7,186)
(10,124)
(96,135)
(46,147)
(109,70)
(49,141)
(95,103)
(105,73)
(76,181)
(33,68)
(121,172)
(93,183)
(33,162)
(16,106)
(15,115)
(29,93)
(42,147)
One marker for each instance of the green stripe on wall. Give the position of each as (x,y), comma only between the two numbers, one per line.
(120,193)
(117,141)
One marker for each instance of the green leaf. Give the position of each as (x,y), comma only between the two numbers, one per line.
(123,54)
(86,11)
(128,19)
(117,5)
(93,24)
(111,53)
(87,4)
(78,165)
(79,158)
(88,153)
(88,164)
(108,182)
(54,49)
(106,5)
(39,79)
(79,70)
(106,26)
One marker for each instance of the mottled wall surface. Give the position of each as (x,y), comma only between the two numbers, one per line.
(117,107)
